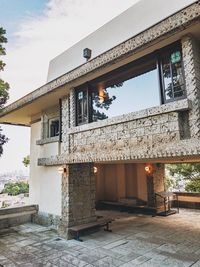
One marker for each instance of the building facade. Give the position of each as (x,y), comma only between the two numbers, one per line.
(102,130)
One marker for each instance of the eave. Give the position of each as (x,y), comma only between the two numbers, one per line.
(28,109)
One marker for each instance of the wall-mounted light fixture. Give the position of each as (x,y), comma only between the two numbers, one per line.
(95,169)
(87,53)
(148,169)
(62,170)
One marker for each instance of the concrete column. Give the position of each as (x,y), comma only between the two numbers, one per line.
(155,183)
(78,197)
(191,62)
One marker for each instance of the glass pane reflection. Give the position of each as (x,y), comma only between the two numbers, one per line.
(132,95)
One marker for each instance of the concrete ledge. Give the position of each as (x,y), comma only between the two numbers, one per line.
(175,106)
(47,140)
(18,215)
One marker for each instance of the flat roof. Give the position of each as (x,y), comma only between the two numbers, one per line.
(139,17)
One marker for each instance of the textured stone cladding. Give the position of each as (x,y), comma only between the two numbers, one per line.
(162,30)
(65,124)
(166,131)
(191,61)
(149,134)
(78,196)
(155,183)
(133,137)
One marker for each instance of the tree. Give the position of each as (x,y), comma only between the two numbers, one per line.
(26,161)
(16,188)
(190,172)
(4,86)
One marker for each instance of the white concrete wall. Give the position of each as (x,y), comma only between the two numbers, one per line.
(45,182)
(49,149)
(134,20)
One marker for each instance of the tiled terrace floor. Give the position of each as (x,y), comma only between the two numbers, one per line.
(136,240)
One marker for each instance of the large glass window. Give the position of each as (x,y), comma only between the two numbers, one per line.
(153,80)
(128,96)
(172,75)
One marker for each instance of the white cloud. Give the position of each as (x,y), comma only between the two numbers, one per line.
(37,41)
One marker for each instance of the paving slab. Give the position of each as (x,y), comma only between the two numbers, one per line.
(136,240)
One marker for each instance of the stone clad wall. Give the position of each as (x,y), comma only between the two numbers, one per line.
(170,130)
(134,136)
(155,184)
(78,196)
(191,61)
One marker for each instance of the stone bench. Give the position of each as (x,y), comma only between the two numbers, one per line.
(87,226)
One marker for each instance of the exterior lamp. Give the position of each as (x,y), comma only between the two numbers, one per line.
(62,170)
(95,170)
(148,169)
(87,53)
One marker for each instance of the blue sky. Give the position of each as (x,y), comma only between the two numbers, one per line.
(31,26)
(15,11)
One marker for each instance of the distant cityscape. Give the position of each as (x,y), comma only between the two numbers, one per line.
(13,177)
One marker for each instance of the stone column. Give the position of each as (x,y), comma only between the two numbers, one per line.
(155,183)
(65,124)
(72,110)
(191,62)
(78,197)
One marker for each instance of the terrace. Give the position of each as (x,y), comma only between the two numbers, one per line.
(136,240)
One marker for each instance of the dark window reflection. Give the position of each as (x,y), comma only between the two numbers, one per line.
(82,106)
(54,128)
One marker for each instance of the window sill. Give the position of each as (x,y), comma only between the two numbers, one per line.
(47,140)
(179,105)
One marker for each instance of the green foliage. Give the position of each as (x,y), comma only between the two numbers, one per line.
(193,186)
(169,183)
(186,170)
(16,188)
(4,86)
(26,161)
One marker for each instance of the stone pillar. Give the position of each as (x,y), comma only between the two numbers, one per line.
(65,124)
(191,62)
(78,197)
(155,183)
(72,110)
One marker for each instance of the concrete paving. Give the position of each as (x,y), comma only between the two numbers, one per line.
(136,240)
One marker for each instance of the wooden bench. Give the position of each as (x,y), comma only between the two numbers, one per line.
(99,223)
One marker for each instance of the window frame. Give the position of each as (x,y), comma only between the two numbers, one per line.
(55,119)
(167,51)
(135,68)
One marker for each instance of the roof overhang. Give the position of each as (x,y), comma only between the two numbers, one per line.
(29,108)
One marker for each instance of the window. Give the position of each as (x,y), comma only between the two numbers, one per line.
(133,87)
(53,127)
(172,78)
(82,105)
